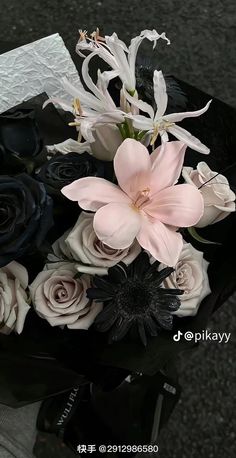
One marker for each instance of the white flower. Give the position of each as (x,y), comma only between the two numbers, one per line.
(91,255)
(160,124)
(116,54)
(107,139)
(219,200)
(61,299)
(69,146)
(90,108)
(190,275)
(13,297)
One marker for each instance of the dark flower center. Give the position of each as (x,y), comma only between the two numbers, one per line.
(133,298)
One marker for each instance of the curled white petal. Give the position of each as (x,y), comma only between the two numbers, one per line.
(160,95)
(69,146)
(177,117)
(188,139)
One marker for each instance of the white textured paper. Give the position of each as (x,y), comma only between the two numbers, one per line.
(35,68)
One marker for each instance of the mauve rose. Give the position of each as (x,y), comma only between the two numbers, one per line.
(61,299)
(13,297)
(219,200)
(190,275)
(91,255)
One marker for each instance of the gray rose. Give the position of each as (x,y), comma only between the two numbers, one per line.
(61,299)
(219,200)
(91,255)
(190,275)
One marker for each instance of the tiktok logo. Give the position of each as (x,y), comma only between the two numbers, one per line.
(177,337)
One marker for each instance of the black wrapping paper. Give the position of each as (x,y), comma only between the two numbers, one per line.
(44,361)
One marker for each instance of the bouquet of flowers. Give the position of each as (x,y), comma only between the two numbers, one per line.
(112,230)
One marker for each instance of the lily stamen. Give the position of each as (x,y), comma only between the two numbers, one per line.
(142,198)
(83,35)
(96,35)
(77,107)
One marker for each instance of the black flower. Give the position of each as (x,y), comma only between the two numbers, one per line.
(20,140)
(133,295)
(61,170)
(25,216)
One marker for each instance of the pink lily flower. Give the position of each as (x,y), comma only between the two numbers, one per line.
(146,205)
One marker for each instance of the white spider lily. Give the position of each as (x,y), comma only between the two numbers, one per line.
(116,54)
(90,108)
(160,124)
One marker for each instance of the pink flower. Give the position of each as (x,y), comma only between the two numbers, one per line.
(146,204)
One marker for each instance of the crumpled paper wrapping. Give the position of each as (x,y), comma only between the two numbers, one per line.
(34,68)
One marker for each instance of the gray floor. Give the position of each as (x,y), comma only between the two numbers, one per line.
(202,53)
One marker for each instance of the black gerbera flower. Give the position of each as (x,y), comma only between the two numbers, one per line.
(133,296)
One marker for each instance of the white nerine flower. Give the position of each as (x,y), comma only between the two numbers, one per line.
(90,108)
(160,124)
(116,54)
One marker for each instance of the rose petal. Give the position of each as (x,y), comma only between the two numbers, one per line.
(132,167)
(87,320)
(167,162)
(163,244)
(92,193)
(180,206)
(117,225)
(18,271)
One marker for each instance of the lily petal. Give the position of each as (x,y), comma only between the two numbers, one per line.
(141,122)
(85,97)
(92,193)
(151,35)
(117,225)
(180,206)
(167,162)
(132,167)
(66,106)
(189,139)
(160,94)
(88,80)
(69,146)
(177,117)
(119,50)
(163,243)
(143,106)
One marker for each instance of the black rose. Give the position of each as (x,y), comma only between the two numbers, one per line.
(20,140)
(25,216)
(61,170)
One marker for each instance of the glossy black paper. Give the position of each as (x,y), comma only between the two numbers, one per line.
(45,361)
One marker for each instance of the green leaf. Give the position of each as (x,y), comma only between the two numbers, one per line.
(192,231)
